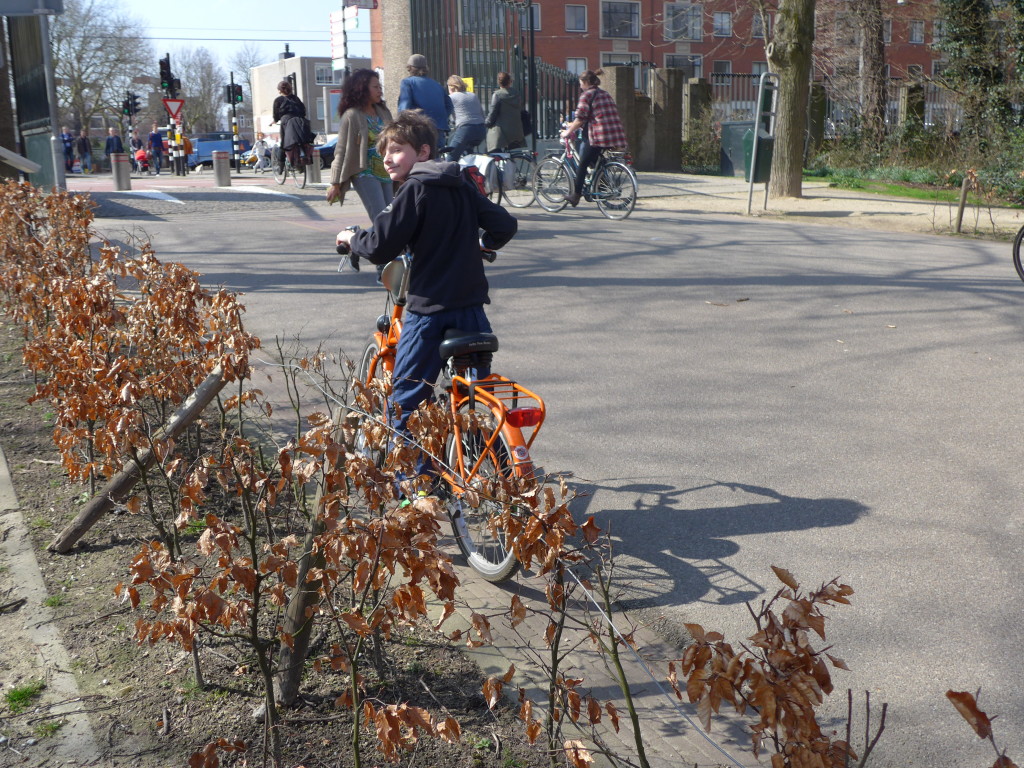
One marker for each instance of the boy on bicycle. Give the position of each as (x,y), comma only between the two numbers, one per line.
(438,217)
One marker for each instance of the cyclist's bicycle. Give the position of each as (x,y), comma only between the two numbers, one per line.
(511,177)
(487,450)
(283,168)
(611,183)
(1016,253)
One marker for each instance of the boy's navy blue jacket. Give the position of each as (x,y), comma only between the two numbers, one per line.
(438,216)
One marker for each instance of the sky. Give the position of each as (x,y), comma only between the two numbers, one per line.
(223,26)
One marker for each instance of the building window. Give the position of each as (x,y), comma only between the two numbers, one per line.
(324,74)
(535,10)
(886,30)
(723,24)
(938,31)
(320,109)
(475,22)
(689,63)
(937,68)
(577,66)
(575,18)
(623,60)
(916,34)
(847,32)
(620,19)
(759,67)
(722,67)
(684,21)
(914,71)
(757,25)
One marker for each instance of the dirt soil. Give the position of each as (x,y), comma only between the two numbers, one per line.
(142,704)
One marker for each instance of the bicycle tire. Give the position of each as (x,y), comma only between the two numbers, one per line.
(494,195)
(552,185)
(521,193)
(280,172)
(478,532)
(372,445)
(1016,253)
(614,190)
(299,176)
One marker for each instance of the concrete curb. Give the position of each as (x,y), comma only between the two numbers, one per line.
(38,641)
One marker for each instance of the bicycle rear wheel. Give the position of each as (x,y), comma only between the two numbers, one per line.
(517,180)
(1016,253)
(614,190)
(280,171)
(299,176)
(478,529)
(552,184)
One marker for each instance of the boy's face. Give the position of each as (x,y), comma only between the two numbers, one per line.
(399,158)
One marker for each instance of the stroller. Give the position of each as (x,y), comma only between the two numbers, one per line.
(142,161)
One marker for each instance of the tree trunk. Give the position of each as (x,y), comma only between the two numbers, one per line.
(789,55)
(872,72)
(7,110)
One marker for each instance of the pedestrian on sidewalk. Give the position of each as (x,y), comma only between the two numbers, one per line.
(505,117)
(67,140)
(135,144)
(357,163)
(418,91)
(114,144)
(155,144)
(83,148)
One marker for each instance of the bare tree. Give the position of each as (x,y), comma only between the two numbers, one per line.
(242,62)
(202,84)
(790,54)
(872,70)
(98,50)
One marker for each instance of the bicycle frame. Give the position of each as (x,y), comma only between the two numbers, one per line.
(505,398)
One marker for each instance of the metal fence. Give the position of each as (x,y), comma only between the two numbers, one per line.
(734,97)
(479,39)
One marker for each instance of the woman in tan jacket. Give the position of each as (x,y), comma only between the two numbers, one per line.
(356,160)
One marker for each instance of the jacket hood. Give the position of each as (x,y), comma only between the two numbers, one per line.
(437,172)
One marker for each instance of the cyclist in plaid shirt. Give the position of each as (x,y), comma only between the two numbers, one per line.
(598,116)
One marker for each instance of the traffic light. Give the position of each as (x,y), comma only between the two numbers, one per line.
(238,93)
(175,87)
(133,103)
(165,73)
(229,95)
(126,107)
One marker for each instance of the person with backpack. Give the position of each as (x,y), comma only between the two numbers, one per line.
(598,117)
(296,135)
(417,91)
(469,119)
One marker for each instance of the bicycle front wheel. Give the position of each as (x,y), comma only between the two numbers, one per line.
(477,517)
(552,184)
(614,190)
(371,436)
(1016,253)
(517,181)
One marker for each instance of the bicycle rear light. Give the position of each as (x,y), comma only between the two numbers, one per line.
(524,417)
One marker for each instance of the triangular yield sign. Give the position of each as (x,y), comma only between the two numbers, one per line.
(173,107)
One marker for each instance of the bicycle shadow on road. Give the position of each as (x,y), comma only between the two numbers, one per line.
(671,551)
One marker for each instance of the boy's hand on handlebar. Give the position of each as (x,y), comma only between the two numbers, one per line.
(342,243)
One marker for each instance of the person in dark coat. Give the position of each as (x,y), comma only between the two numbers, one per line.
(114,144)
(505,117)
(296,136)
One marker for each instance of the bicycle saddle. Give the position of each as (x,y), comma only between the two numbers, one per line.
(461,343)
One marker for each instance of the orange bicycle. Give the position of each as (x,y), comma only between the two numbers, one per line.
(494,424)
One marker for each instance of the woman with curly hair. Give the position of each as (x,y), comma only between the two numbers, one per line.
(357,163)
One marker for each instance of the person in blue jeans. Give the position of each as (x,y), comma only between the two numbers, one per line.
(155,144)
(418,91)
(438,217)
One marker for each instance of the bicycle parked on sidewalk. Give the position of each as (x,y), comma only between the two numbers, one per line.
(487,447)
(611,183)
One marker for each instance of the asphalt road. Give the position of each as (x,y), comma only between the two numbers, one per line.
(733,394)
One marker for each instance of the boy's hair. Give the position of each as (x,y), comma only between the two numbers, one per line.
(411,127)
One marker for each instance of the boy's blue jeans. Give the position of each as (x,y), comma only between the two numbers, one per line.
(418,362)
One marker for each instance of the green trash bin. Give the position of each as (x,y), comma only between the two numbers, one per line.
(731,153)
(765,146)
